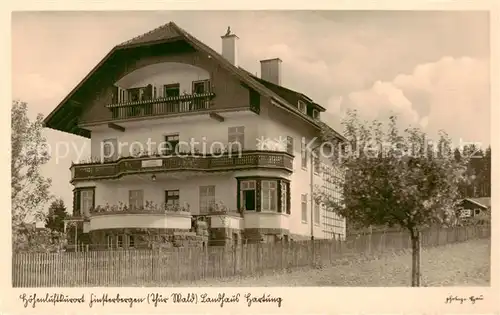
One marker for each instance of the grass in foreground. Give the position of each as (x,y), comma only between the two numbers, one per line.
(462,264)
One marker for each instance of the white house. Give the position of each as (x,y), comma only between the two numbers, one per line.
(179,131)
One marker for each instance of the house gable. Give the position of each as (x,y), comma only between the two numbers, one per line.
(86,102)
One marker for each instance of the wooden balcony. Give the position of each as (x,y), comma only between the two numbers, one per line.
(162,106)
(188,162)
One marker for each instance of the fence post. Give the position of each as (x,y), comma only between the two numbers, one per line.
(313,252)
(235,267)
(151,254)
(86,254)
(259,255)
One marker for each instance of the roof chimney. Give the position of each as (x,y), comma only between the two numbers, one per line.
(229,47)
(270,70)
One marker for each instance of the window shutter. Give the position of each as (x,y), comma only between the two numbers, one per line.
(288,206)
(93,199)
(280,185)
(258,194)
(76,205)
(238,196)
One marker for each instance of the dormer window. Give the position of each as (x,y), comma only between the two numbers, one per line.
(315,114)
(302,107)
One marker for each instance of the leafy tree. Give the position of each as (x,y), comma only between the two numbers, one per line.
(57,214)
(30,190)
(394,179)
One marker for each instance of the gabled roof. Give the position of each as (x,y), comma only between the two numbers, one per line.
(484,202)
(171,31)
(289,95)
(158,34)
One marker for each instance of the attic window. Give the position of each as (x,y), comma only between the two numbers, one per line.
(315,114)
(302,107)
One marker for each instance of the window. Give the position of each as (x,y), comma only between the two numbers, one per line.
(154,92)
(171,198)
(119,241)
(171,144)
(83,201)
(131,241)
(317,164)
(304,154)
(136,199)
(269,238)
(315,114)
(302,107)
(109,150)
(477,212)
(247,195)
(207,198)
(200,87)
(134,94)
(304,207)
(316,212)
(269,195)
(254,99)
(236,135)
(109,240)
(171,90)
(284,197)
(86,200)
(289,145)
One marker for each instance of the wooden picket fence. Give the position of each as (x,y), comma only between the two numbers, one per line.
(180,265)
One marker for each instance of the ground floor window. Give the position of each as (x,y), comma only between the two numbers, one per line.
(269,195)
(119,241)
(83,200)
(109,241)
(248,195)
(269,238)
(171,199)
(136,199)
(303,198)
(264,194)
(316,212)
(207,199)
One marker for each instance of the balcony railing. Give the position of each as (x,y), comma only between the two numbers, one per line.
(190,162)
(162,106)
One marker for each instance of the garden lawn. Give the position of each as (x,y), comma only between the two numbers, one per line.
(461,264)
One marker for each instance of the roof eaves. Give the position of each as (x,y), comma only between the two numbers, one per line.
(476,202)
(78,86)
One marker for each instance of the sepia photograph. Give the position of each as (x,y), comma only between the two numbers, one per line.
(251,149)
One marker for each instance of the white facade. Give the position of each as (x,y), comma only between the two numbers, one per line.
(201,133)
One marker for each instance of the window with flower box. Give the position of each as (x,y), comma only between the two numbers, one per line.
(207,199)
(136,199)
(171,199)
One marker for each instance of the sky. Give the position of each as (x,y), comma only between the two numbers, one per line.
(430,68)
